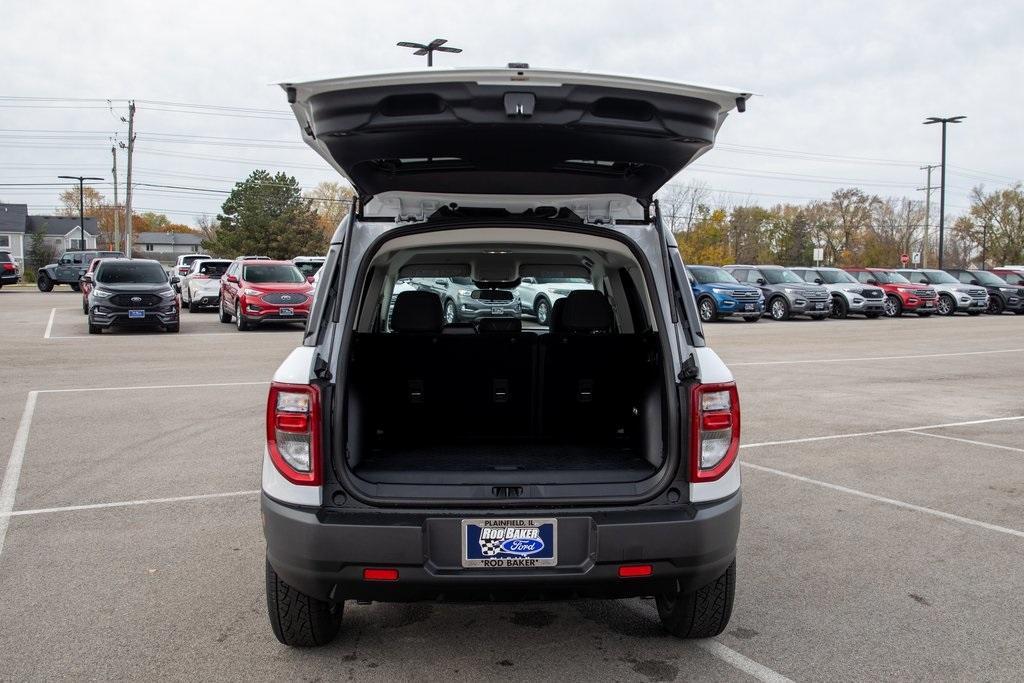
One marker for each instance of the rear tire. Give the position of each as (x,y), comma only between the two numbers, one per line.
(225,317)
(44,283)
(297,619)
(703,613)
(192,306)
(707,310)
(893,306)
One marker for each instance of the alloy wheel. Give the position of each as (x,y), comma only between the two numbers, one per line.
(707,311)
(778,309)
(542,312)
(449,313)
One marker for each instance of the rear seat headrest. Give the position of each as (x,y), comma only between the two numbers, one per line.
(459,328)
(555,324)
(586,311)
(499,326)
(416,312)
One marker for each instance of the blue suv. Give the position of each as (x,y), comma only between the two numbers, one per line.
(718,294)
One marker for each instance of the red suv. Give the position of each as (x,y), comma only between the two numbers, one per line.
(258,291)
(901,295)
(86,285)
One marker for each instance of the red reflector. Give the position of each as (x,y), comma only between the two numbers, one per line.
(380,575)
(715,421)
(293,422)
(629,571)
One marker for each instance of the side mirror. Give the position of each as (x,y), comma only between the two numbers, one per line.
(761,281)
(87,278)
(974,281)
(175,280)
(440,281)
(818,281)
(693,282)
(232,278)
(871,282)
(529,281)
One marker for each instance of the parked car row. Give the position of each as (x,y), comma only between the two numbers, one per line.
(751,291)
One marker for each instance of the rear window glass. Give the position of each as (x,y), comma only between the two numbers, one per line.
(5,257)
(214,268)
(131,273)
(308,268)
(277,272)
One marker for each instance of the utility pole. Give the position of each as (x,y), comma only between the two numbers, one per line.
(942,179)
(927,212)
(113,171)
(128,182)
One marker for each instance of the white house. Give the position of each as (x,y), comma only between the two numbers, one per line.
(149,244)
(61,232)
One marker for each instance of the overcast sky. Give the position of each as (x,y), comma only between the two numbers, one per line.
(843,86)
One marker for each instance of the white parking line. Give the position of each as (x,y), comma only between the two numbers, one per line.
(888,501)
(49,324)
(9,487)
(974,443)
(741,662)
(851,435)
(152,386)
(127,503)
(177,336)
(871,358)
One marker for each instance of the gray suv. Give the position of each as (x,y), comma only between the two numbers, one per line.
(785,293)
(422,460)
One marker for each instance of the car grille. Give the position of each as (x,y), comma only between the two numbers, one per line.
(746,294)
(282,298)
(872,294)
(925,293)
(817,296)
(127,300)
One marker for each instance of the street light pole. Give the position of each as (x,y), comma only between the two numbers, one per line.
(430,48)
(81,204)
(942,180)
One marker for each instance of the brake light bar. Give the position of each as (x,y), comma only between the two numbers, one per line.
(714,430)
(293,432)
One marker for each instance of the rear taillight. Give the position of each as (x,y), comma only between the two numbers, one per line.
(8,266)
(293,437)
(714,429)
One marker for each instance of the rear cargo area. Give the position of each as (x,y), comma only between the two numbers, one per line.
(504,407)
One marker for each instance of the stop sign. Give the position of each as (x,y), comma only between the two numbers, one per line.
(904,259)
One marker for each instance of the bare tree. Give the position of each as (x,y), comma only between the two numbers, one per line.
(681,204)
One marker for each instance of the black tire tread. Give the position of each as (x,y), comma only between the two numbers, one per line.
(704,613)
(297,619)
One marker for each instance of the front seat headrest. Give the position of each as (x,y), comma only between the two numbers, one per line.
(586,311)
(416,312)
(499,326)
(555,323)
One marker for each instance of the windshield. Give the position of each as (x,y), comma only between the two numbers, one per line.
(142,272)
(835,277)
(708,276)
(940,277)
(778,276)
(987,278)
(277,272)
(889,278)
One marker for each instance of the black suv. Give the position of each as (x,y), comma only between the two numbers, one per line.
(132,292)
(1002,296)
(69,269)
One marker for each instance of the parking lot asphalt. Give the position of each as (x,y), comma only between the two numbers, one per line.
(883,523)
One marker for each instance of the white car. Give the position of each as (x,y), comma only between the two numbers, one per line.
(200,286)
(421,460)
(954,296)
(848,294)
(182,265)
(538,295)
(309,265)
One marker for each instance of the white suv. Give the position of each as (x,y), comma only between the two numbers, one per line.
(423,460)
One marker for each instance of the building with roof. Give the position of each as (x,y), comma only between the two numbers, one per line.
(163,244)
(60,232)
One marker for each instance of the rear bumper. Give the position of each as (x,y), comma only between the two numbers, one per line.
(9,278)
(324,555)
(206,300)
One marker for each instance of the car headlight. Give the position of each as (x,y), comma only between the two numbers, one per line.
(101,293)
(167,293)
(252,292)
(724,292)
(854,290)
(790,290)
(1008,290)
(465,292)
(561,292)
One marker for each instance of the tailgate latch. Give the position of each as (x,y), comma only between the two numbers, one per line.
(520,104)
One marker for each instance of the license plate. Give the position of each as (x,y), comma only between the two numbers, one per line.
(818,307)
(136,314)
(509,543)
(287,311)
(748,307)
(497,311)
